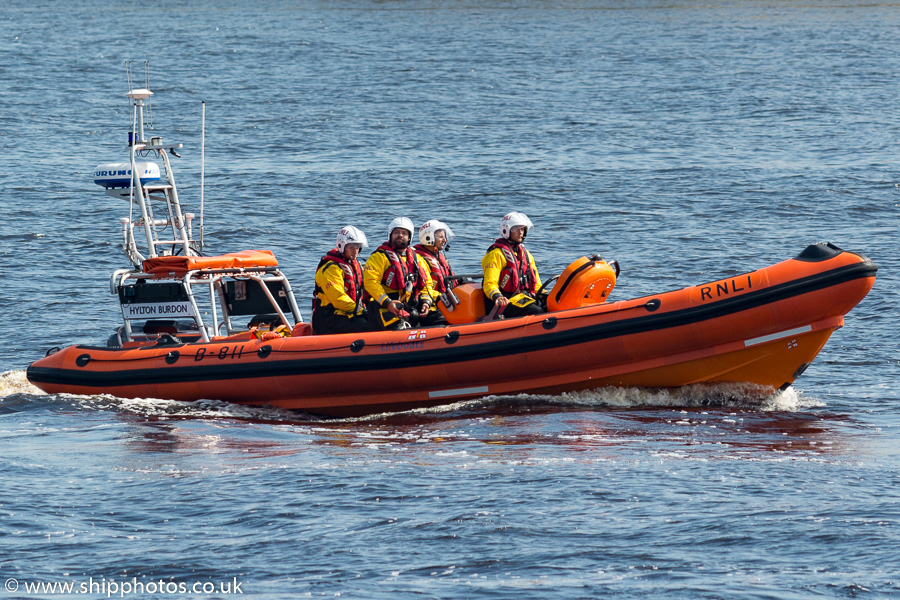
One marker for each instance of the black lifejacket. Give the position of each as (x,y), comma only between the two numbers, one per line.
(353,277)
(518,275)
(440,267)
(399,273)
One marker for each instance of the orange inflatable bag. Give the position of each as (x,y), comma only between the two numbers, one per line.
(584,282)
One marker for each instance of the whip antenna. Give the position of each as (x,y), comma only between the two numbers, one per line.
(128,76)
(147,87)
(202,162)
(131,137)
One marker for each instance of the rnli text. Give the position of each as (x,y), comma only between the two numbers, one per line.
(724,288)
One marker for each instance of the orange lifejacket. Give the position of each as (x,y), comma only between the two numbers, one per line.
(399,275)
(518,275)
(440,267)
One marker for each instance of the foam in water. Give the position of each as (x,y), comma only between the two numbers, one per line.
(727,395)
(156,407)
(15,382)
(724,395)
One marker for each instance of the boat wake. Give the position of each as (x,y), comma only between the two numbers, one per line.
(17,394)
(16,390)
(15,382)
(724,395)
(734,396)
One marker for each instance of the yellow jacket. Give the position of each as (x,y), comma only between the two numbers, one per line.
(331,292)
(373,276)
(492,264)
(430,269)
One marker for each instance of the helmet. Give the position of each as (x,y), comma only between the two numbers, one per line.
(430,228)
(401,223)
(512,219)
(351,235)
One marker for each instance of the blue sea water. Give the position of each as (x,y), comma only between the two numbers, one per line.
(688,140)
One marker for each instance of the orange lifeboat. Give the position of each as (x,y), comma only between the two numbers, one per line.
(228,327)
(763,327)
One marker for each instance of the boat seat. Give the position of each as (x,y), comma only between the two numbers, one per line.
(470,304)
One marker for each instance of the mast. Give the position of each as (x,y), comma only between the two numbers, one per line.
(136,142)
(170,233)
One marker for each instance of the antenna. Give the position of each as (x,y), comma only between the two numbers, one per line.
(202,163)
(130,104)
(147,87)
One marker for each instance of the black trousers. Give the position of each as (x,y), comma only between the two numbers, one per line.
(513,311)
(434,319)
(377,315)
(325,321)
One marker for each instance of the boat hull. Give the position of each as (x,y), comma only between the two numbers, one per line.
(762,327)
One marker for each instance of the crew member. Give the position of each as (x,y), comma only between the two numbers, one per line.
(397,280)
(338,300)
(511,278)
(434,237)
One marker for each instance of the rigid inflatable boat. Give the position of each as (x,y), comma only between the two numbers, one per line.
(227,327)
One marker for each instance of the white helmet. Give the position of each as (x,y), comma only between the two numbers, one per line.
(401,223)
(351,235)
(511,220)
(430,228)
